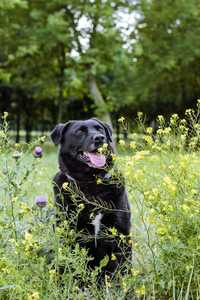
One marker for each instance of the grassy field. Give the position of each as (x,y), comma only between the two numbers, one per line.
(163,183)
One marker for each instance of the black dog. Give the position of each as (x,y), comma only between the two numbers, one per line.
(104,221)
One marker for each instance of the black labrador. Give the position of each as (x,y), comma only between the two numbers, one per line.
(103,224)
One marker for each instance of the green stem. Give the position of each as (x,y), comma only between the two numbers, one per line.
(13,217)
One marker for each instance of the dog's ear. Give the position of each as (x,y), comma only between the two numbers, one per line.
(57,132)
(107,128)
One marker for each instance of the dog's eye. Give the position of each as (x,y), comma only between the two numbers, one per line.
(99,128)
(81,130)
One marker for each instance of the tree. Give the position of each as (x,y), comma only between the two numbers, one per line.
(166,48)
(41,60)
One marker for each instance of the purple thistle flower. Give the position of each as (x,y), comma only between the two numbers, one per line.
(41,201)
(37,152)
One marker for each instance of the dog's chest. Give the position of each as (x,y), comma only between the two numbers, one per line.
(97,223)
(100,208)
(101,192)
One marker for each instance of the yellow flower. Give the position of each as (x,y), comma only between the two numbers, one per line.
(2,134)
(17,146)
(155,191)
(130,242)
(133,145)
(161,230)
(122,237)
(65,186)
(113,231)
(100,150)
(14,199)
(135,272)
(121,120)
(122,142)
(149,130)
(33,296)
(140,291)
(185,207)
(28,237)
(167,180)
(5,115)
(170,184)
(107,281)
(24,207)
(148,139)
(113,257)
(81,206)
(160,131)
(140,114)
(52,274)
(167,130)
(114,157)
(99,181)
(42,139)
(188,112)
(105,146)
(161,119)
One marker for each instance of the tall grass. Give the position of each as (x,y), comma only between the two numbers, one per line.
(162,176)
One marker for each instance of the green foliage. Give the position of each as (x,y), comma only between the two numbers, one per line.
(51,51)
(167,53)
(40,39)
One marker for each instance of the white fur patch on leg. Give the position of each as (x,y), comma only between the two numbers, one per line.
(97,223)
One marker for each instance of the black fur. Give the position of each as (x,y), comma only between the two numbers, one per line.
(107,197)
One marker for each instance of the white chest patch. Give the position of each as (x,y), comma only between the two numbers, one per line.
(97,223)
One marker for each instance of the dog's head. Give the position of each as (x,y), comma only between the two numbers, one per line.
(80,141)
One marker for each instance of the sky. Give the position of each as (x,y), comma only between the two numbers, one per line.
(125,21)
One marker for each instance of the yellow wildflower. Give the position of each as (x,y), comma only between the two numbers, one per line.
(81,206)
(99,181)
(113,257)
(33,296)
(149,130)
(140,114)
(65,186)
(122,143)
(113,231)
(135,272)
(140,291)
(28,237)
(133,145)
(121,119)
(114,157)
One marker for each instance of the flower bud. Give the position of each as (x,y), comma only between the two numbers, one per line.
(37,152)
(41,201)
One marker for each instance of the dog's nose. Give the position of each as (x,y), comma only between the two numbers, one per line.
(99,138)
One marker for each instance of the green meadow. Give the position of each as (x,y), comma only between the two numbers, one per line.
(163,182)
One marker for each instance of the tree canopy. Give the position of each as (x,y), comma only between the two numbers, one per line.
(61,59)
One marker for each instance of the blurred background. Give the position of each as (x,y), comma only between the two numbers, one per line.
(62,60)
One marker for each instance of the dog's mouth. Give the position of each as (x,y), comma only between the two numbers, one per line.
(93,159)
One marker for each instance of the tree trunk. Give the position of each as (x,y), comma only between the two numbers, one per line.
(60,106)
(102,112)
(117,130)
(28,129)
(18,122)
(61,79)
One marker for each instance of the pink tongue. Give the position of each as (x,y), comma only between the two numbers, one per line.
(97,159)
